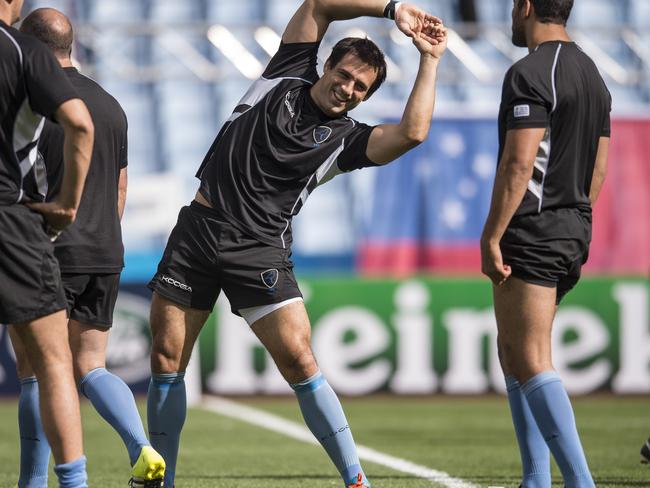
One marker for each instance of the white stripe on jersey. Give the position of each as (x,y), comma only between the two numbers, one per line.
(544,151)
(325,172)
(258,90)
(11,38)
(27,129)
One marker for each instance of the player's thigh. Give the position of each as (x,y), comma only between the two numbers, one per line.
(45,342)
(524,313)
(174,328)
(286,334)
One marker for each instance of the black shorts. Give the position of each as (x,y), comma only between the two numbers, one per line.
(30,281)
(548,248)
(91,297)
(206,254)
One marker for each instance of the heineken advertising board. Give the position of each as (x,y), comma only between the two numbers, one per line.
(425,336)
(419,336)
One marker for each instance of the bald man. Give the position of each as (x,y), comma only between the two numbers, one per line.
(90,255)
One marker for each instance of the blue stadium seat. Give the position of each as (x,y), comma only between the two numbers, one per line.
(187,123)
(280,11)
(166,11)
(62,5)
(494,11)
(640,14)
(138,105)
(597,13)
(240,12)
(115,11)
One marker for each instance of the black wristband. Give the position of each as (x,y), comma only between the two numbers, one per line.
(389,10)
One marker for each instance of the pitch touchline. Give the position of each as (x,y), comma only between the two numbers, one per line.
(297,431)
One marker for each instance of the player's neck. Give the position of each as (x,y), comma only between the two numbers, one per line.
(544,33)
(65,62)
(5,15)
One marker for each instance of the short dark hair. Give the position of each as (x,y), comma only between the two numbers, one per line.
(364,49)
(58,39)
(551,11)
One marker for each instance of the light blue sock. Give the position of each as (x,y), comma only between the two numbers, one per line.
(324,416)
(72,475)
(34,448)
(166,412)
(550,405)
(535,456)
(114,401)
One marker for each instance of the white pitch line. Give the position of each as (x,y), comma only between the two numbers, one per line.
(297,431)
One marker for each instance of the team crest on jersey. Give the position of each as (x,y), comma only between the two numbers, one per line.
(270,278)
(321,134)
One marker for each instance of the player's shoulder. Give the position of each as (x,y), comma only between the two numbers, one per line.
(533,69)
(531,64)
(27,44)
(90,88)
(349,122)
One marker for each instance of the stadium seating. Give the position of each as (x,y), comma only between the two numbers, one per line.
(177,87)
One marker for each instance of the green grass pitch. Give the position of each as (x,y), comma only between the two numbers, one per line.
(469,438)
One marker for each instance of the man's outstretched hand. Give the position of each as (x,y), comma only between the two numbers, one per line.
(432,40)
(412,20)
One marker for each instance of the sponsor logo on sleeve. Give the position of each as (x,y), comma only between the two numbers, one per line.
(522,111)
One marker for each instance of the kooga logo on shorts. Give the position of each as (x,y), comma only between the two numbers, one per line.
(175,283)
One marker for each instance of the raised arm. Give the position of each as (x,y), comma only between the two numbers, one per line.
(514,171)
(600,169)
(389,141)
(313,17)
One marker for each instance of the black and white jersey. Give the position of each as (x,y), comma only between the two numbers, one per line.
(93,243)
(557,87)
(32,86)
(277,147)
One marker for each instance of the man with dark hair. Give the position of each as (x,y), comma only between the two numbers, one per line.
(554,128)
(290,133)
(548,12)
(90,255)
(33,86)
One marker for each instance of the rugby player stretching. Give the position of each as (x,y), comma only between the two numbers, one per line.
(289,133)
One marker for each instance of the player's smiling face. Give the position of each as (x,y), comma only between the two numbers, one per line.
(343,86)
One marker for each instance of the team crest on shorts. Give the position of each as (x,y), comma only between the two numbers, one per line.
(321,134)
(270,278)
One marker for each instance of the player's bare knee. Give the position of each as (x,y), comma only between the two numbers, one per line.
(298,367)
(23,368)
(165,359)
(82,365)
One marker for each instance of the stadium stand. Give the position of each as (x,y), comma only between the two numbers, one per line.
(178,68)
